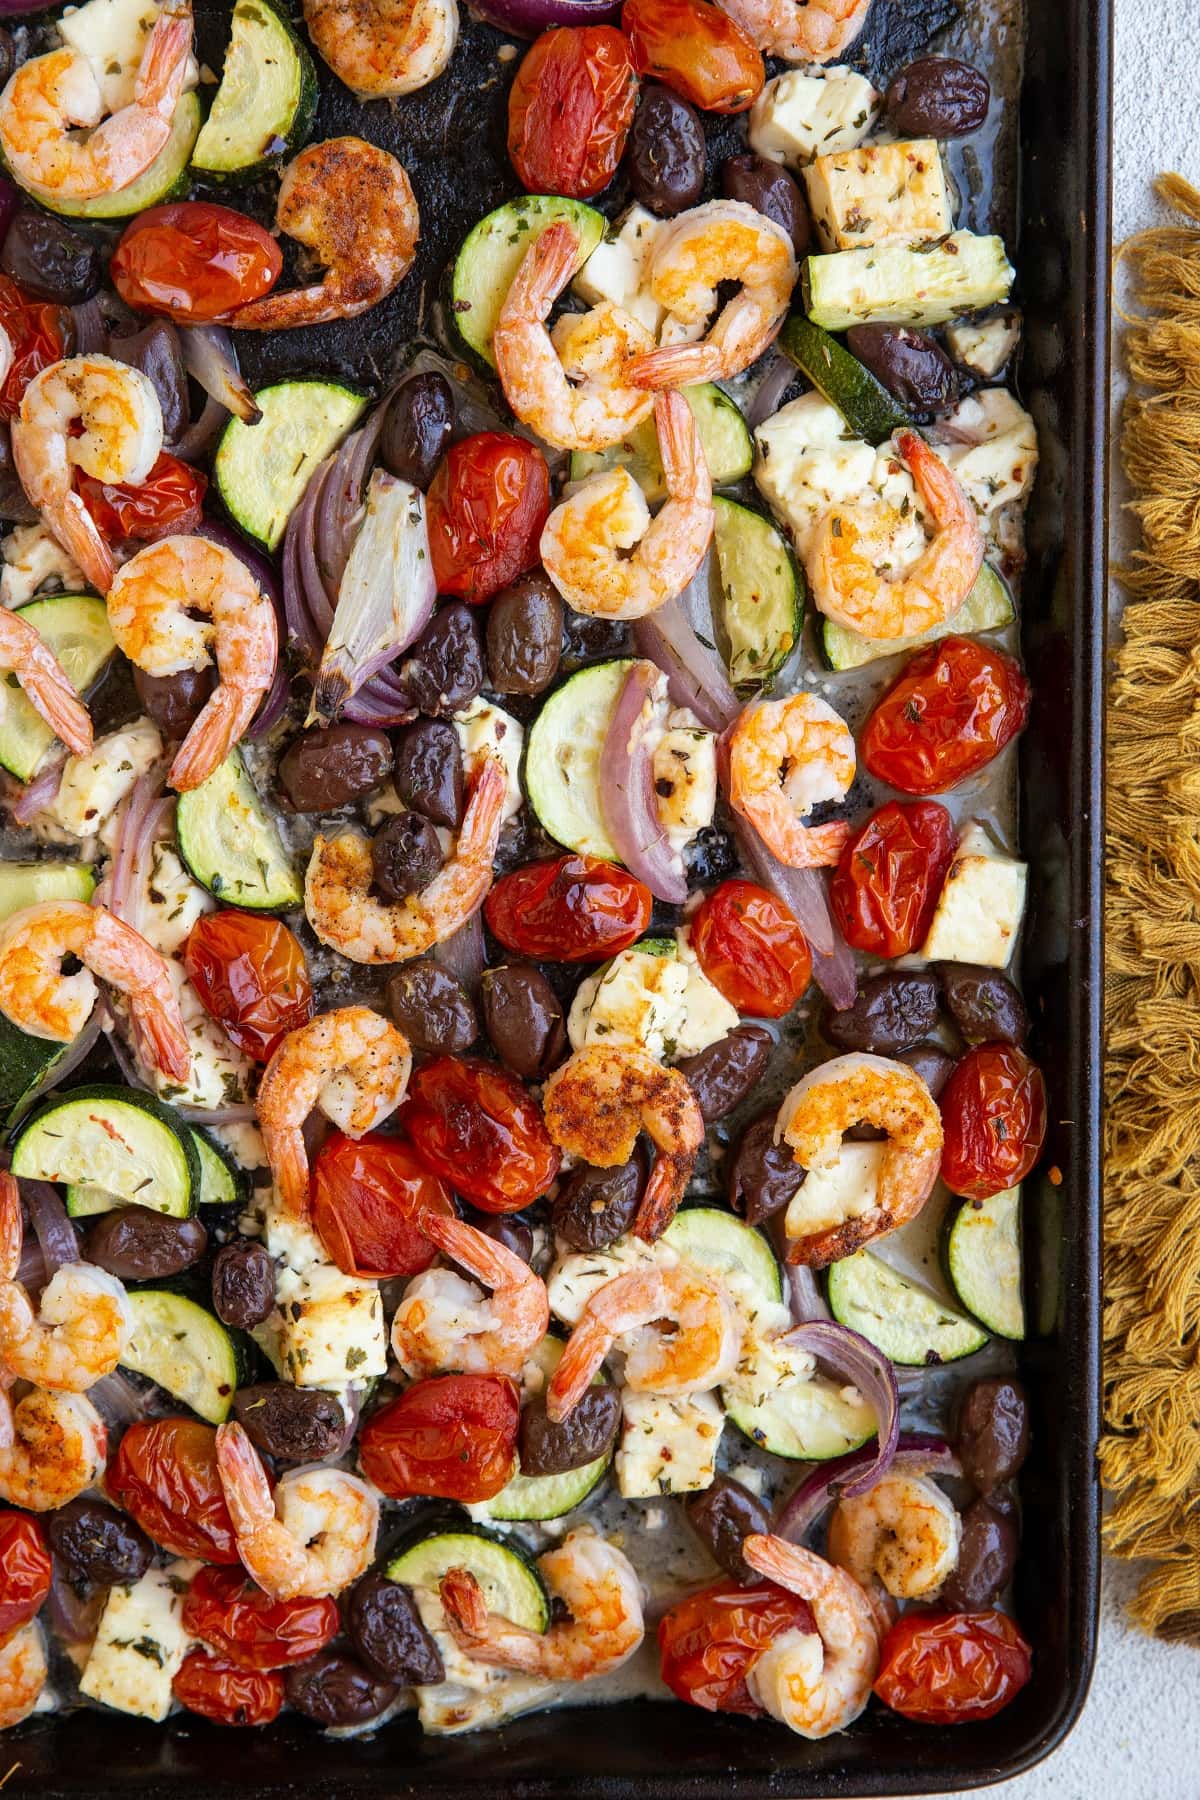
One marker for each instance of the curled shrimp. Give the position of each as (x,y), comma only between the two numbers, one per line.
(785,757)
(352,205)
(801,31)
(384,48)
(44,682)
(79,1331)
(169,607)
(345,913)
(848,561)
(904,1530)
(52,95)
(352,1063)
(587,539)
(862,1090)
(120,439)
(312,1537)
(443,1322)
(697,1354)
(601,1097)
(535,367)
(37,996)
(598,1584)
(23,1674)
(724,240)
(52,1449)
(815,1685)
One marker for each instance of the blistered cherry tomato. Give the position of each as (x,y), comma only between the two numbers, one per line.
(751,949)
(25,1571)
(170,499)
(452,1437)
(478,1127)
(365,1193)
(994,1120)
(571,909)
(220,1691)
(952,1668)
(710,1641)
(165,1475)
(888,878)
(246,1627)
(194,261)
(485,510)
(570,109)
(954,707)
(251,976)
(695,48)
(37,332)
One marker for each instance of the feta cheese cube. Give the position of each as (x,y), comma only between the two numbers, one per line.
(635,1003)
(474,1694)
(329,1327)
(140,1643)
(32,557)
(668,1444)
(985,345)
(812,112)
(171,901)
(219,1074)
(844,1189)
(574,1278)
(94,785)
(879,194)
(484,727)
(998,466)
(685,779)
(618,268)
(707,1016)
(982,902)
(807,460)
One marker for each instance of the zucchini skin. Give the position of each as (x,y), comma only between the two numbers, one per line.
(303,118)
(868,409)
(107,1092)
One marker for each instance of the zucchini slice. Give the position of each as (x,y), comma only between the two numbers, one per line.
(908,1324)
(718,1241)
(262,470)
(75,627)
(895,284)
(222,1181)
(546,1496)
(723,433)
(126,1143)
(988,607)
(26,883)
(231,844)
(562,758)
(165,178)
(983,1261)
(24,1060)
(186,1350)
(493,252)
(808,1421)
(762,589)
(865,404)
(264,107)
(511,1586)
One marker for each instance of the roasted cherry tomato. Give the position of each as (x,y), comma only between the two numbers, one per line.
(232,1615)
(485,510)
(571,909)
(165,1475)
(194,261)
(570,109)
(994,1120)
(170,499)
(710,1641)
(25,1571)
(951,711)
(888,878)
(479,1128)
(220,1691)
(37,332)
(365,1193)
(952,1668)
(453,1437)
(751,949)
(251,975)
(695,48)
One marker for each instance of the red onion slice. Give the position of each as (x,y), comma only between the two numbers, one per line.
(780,373)
(202,433)
(804,1295)
(854,1359)
(801,890)
(211,359)
(52,1228)
(917,1453)
(695,673)
(39,793)
(242,1114)
(627,797)
(529,18)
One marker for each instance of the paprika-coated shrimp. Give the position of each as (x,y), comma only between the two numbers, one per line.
(80,1328)
(23,1674)
(313,1536)
(903,1530)
(25,653)
(384,48)
(785,757)
(801,31)
(815,1685)
(443,1322)
(52,1449)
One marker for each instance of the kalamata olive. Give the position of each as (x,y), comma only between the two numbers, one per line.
(8,54)
(983,1003)
(589,1429)
(595,1207)
(157,352)
(417,427)
(723,1515)
(50,260)
(174,702)
(509,1229)
(335,1689)
(523,1018)
(385,1627)
(763,1175)
(327,768)
(993,1431)
(986,1557)
(937,97)
(524,636)
(769,189)
(15,508)
(243,1283)
(909,364)
(444,669)
(431,1008)
(136,1244)
(665,158)
(289,1423)
(586,639)
(405,856)
(99,1543)
(722,1076)
(934,1066)
(429,771)
(891,1012)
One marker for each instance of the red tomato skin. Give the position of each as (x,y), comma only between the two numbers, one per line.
(949,713)
(251,977)
(480,1129)
(165,1475)
(246,1627)
(751,949)
(485,510)
(228,1695)
(952,1668)
(696,49)
(993,1119)
(570,909)
(570,109)
(25,1570)
(193,261)
(451,1437)
(169,500)
(888,878)
(365,1195)
(709,1642)
(37,331)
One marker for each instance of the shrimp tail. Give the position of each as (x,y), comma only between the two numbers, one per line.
(675,365)
(11,1231)
(664,1190)
(289,1165)
(585,1351)
(465,1608)
(797,845)
(243,1481)
(45,683)
(543,274)
(71,523)
(164,61)
(160,1039)
(222,724)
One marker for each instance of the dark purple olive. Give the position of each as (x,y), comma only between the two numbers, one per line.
(993,1431)
(428,775)
(934,1066)
(595,1207)
(588,1431)
(136,1244)
(329,767)
(15,508)
(523,1018)
(157,352)
(524,636)
(98,1543)
(722,1076)
(431,1008)
(174,702)
(444,669)
(937,97)
(8,52)
(666,158)
(769,189)
(891,1012)
(292,1424)
(417,427)
(336,1689)
(49,260)
(763,1175)
(509,1229)
(406,854)
(723,1515)
(385,1627)
(243,1284)
(911,366)
(986,1557)
(984,1004)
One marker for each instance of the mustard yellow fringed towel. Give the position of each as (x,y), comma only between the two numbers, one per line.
(1150,1451)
